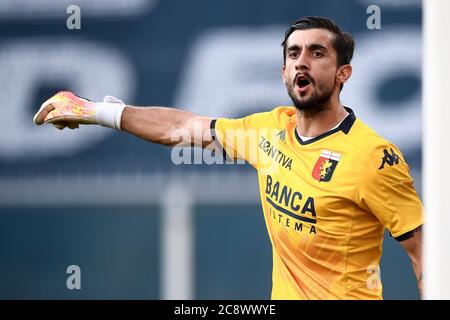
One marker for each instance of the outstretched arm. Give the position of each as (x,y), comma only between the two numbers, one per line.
(166,126)
(413,247)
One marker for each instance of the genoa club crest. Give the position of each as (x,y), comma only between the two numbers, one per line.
(325,165)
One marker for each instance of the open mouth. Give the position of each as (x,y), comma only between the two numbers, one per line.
(302,82)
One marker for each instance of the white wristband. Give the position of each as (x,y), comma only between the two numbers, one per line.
(109,112)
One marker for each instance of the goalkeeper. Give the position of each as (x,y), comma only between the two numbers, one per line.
(333,187)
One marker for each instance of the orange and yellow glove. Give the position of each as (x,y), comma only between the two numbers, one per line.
(65,109)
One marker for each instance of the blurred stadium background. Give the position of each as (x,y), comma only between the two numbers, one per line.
(139,226)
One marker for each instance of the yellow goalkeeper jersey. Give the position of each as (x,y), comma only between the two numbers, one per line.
(326,201)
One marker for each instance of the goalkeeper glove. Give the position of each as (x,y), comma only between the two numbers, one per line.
(65,109)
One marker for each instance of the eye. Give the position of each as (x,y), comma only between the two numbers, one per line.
(317,54)
(293,55)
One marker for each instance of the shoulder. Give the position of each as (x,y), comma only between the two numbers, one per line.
(277,114)
(281,115)
(277,117)
(283,111)
(367,140)
(382,158)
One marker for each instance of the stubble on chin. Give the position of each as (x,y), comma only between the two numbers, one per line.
(312,105)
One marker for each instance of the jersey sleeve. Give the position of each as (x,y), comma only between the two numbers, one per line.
(386,189)
(239,138)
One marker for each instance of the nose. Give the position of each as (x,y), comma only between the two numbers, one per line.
(302,62)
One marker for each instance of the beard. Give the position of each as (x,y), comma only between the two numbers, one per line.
(316,102)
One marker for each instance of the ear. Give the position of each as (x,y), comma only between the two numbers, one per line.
(283,73)
(344,73)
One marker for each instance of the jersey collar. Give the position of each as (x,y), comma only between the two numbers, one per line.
(345,127)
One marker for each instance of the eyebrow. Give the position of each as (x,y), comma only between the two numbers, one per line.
(312,46)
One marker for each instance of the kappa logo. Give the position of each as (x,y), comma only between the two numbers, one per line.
(325,165)
(282,135)
(389,158)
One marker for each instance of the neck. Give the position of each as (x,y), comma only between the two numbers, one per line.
(312,123)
